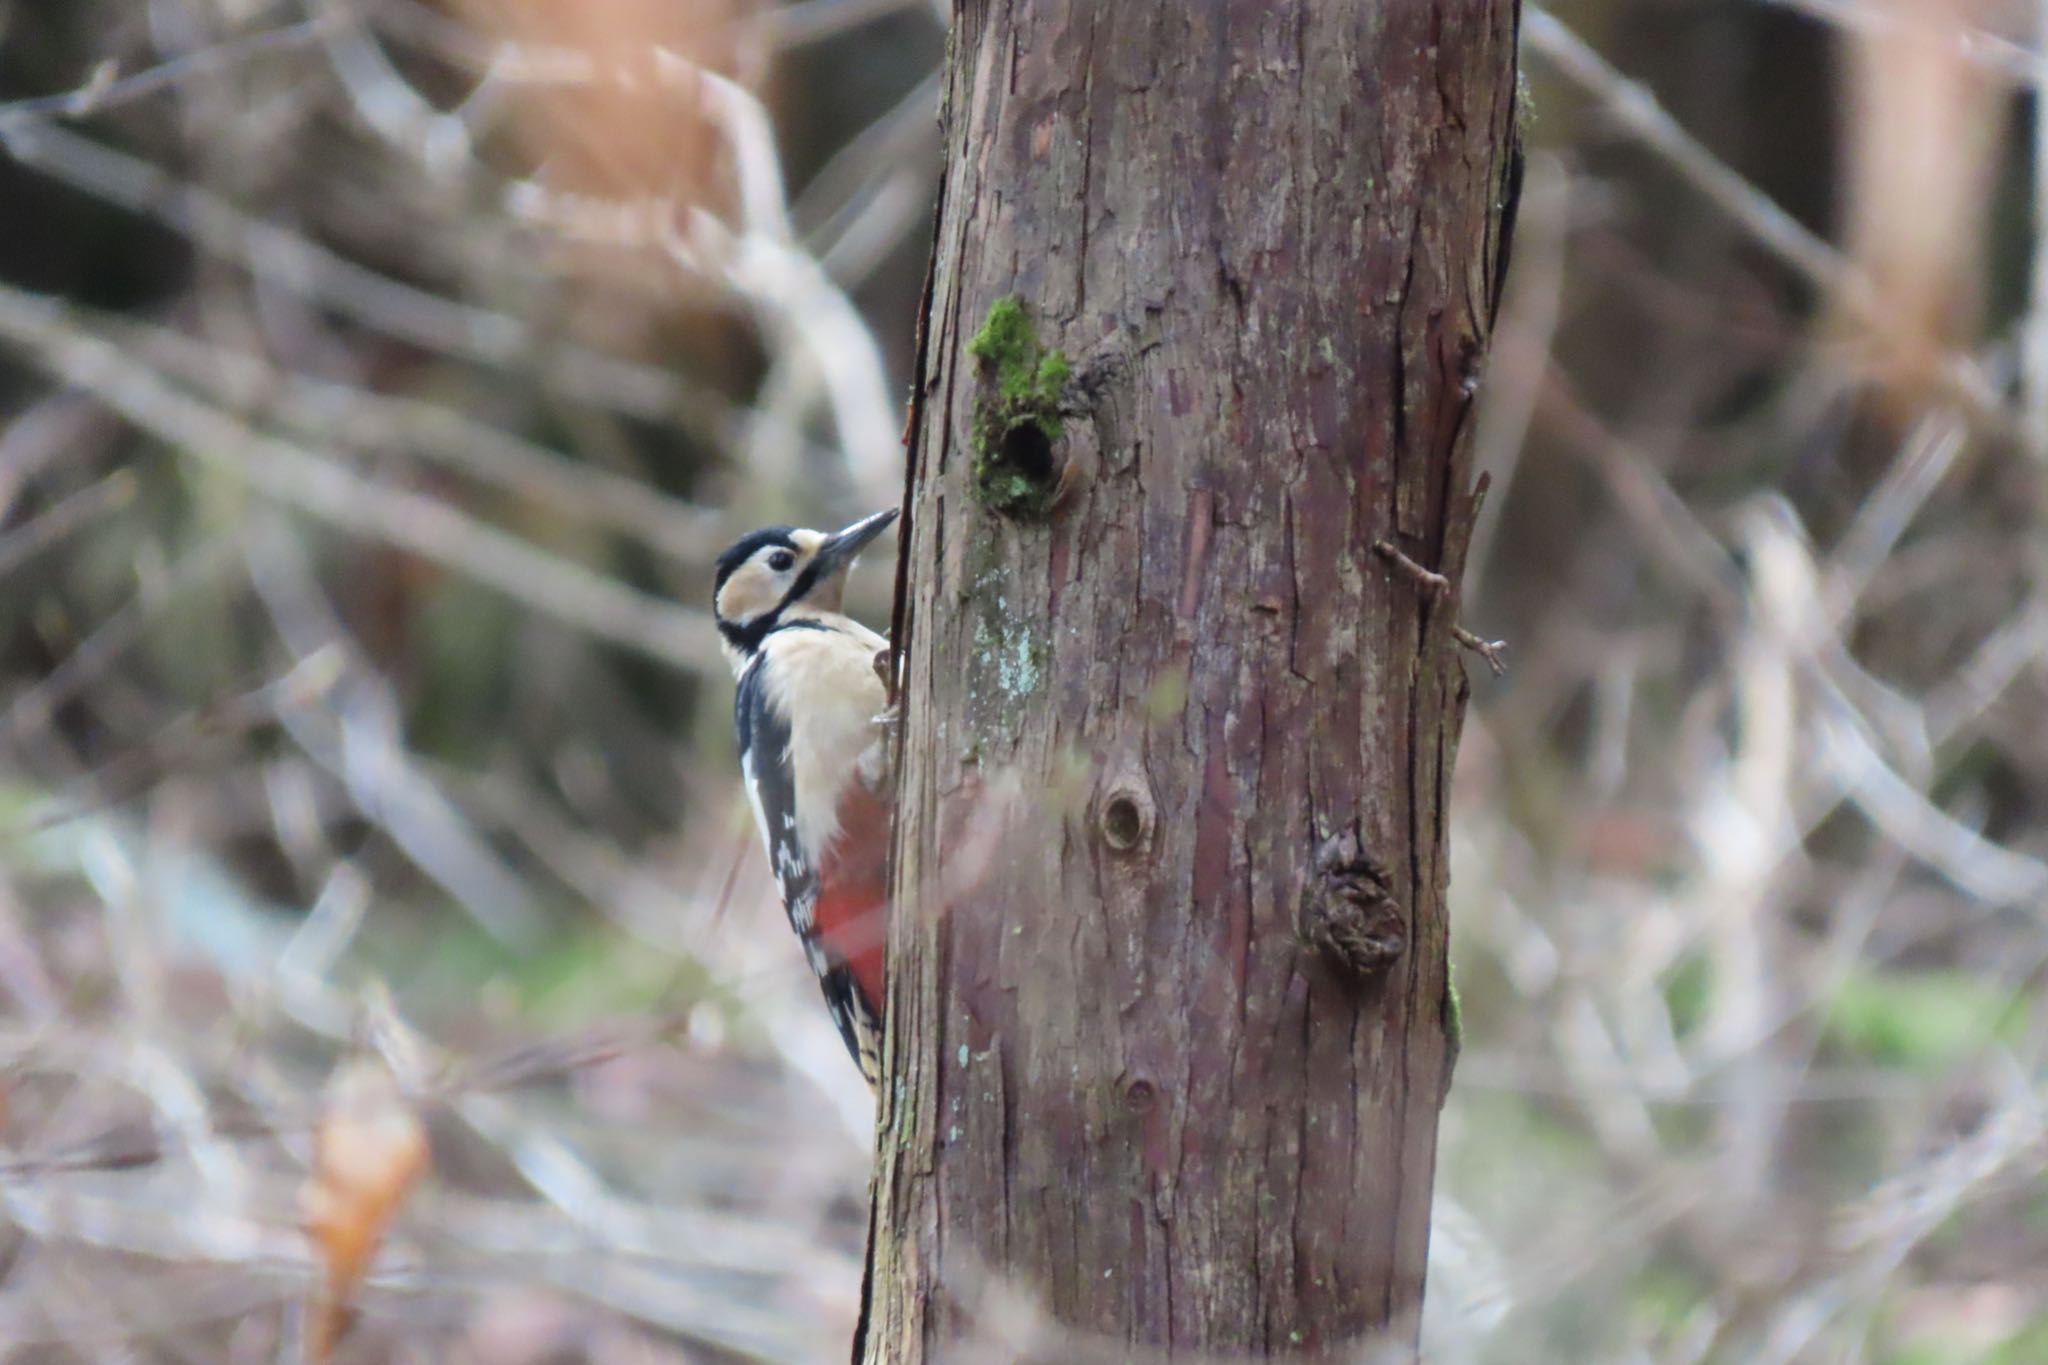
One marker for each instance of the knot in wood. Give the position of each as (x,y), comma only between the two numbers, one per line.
(1126,818)
(1348,910)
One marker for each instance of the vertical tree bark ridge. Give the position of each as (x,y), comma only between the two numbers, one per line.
(1124,1082)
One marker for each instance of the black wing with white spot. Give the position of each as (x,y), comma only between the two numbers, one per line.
(771,787)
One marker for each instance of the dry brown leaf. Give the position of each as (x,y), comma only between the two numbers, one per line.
(627,135)
(369,1149)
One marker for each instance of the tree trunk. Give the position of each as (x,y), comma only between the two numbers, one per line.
(1169,1015)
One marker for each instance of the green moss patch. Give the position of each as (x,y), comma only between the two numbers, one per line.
(1017,413)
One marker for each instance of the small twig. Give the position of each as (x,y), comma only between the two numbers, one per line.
(80,509)
(1431,583)
(1436,588)
(1994,52)
(809,318)
(359,738)
(1489,650)
(1636,111)
(31,710)
(53,340)
(350,416)
(105,87)
(193,741)
(383,303)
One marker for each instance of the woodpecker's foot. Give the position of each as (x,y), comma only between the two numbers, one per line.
(876,766)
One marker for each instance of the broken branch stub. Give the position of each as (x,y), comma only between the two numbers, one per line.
(1348,911)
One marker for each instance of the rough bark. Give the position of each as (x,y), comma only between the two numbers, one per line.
(1169,1016)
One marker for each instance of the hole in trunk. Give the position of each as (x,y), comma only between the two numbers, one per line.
(1026,451)
(1126,820)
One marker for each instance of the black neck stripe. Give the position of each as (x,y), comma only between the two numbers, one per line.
(805,581)
(747,638)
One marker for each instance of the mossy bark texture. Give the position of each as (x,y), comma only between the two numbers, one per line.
(1179,730)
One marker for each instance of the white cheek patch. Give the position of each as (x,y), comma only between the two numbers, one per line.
(751,591)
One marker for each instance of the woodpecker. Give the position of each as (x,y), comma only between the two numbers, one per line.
(811,754)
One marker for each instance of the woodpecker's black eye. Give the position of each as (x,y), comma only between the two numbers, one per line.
(781,560)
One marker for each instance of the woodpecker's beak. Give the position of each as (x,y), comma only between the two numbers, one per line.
(839,551)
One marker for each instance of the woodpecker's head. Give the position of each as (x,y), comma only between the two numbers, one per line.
(781,573)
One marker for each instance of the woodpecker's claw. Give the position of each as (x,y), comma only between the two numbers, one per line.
(876,767)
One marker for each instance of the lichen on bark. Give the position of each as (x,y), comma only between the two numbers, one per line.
(1010,654)
(1017,419)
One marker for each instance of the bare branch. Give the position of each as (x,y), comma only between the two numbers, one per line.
(294,475)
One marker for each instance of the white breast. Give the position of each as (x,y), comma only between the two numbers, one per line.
(823,682)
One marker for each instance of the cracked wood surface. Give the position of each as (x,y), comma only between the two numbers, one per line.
(1121,1083)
